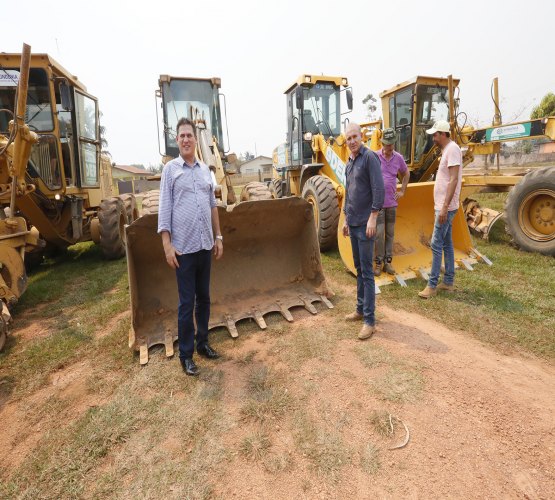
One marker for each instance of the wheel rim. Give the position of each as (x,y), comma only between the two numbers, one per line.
(314,203)
(536,215)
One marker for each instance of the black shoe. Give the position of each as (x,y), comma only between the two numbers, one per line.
(189,366)
(208,352)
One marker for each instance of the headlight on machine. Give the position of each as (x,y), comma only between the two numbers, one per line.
(307,136)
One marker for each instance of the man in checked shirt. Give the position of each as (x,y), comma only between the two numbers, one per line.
(190,228)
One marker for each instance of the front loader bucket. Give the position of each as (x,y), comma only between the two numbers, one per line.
(271,263)
(412,256)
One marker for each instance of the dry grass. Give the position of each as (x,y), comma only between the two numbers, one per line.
(267,395)
(323,447)
(398,385)
(255,446)
(370,458)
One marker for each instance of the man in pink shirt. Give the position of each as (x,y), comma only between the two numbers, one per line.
(447,190)
(392,164)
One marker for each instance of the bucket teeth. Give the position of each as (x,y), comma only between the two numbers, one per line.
(400,280)
(259,319)
(168,343)
(285,312)
(231,327)
(467,265)
(308,305)
(143,354)
(326,301)
(424,274)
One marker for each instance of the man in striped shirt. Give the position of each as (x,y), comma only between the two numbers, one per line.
(188,222)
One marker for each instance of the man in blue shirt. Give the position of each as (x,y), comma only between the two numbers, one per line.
(363,200)
(187,222)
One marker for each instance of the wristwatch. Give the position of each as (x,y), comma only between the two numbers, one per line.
(220,237)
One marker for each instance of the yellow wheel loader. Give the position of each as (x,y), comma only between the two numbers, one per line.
(311,164)
(271,260)
(55,185)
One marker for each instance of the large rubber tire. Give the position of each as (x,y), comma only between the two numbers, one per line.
(319,192)
(530,212)
(276,188)
(130,205)
(112,219)
(256,191)
(150,203)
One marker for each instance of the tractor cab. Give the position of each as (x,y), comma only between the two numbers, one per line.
(411,108)
(66,157)
(197,99)
(313,107)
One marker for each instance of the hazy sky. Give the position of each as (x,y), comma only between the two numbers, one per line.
(119,48)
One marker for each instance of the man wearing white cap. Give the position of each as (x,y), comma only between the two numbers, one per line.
(447,190)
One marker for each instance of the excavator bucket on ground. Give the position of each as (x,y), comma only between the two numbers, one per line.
(271,263)
(412,256)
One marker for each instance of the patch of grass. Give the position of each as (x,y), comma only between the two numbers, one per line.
(59,463)
(246,358)
(79,293)
(268,397)
(373,355)
(106,451)
(256,445)
(509,304)
(213,384)
(302,345)
(495,201)
(398,385)
(369,458)
(324,448)
(276,463)
(379,419)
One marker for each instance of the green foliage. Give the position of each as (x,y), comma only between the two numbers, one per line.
(545,108)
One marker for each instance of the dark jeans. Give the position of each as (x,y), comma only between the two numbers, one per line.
(363,248)
(385,232)
(193,285)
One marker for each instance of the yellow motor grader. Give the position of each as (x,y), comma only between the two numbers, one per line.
(55,185)
(311,164)
(271,259)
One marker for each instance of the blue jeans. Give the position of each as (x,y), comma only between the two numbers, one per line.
(193,286)
(363,249)
(442,244)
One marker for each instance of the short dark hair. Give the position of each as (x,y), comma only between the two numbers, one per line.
(185,121)
(447,134)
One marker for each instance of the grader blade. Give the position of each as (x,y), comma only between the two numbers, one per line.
(271,263)
(412,256)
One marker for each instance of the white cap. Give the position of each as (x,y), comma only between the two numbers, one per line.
(439,126)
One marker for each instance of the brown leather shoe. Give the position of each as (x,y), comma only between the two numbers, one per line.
(366,332)
(446,288)
(388,268)
(427,293)
(378,269)
(355,316)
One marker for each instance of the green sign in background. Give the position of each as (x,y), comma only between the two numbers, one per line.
(508,132)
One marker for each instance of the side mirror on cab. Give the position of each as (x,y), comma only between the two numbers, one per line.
(65,95)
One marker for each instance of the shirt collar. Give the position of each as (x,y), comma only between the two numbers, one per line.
(185,164)
(360,152)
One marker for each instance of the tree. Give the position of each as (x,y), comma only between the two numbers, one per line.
(247,156)
(155,168)
(371,108)
(545,108)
